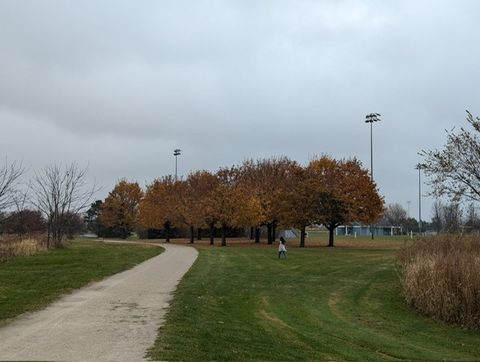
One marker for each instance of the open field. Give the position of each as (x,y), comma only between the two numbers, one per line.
(31,282)
(315,240)
(239,303)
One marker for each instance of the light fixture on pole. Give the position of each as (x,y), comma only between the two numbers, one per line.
(370,118)
(419,167)
(176,153)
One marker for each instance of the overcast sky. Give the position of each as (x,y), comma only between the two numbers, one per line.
(119,84)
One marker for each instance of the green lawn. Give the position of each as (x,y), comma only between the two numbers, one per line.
(242,303)
(29,283)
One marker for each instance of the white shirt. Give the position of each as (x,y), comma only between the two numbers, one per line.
(281,247)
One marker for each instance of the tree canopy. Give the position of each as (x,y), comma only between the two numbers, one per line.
(343,192)
(454,171)
(267,192)
(120,209)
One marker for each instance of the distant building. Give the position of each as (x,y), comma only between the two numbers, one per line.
(363,230)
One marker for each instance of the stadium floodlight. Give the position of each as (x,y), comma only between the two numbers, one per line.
(419,167)
(176,152)
(371,118)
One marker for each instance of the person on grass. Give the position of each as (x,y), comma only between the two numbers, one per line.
(282,249)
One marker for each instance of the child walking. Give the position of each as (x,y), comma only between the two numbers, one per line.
(282,249)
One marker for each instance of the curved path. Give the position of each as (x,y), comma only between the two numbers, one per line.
(116,319)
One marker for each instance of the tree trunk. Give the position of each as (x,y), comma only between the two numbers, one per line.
(224,235)
(257,235)
(192,234)
(199,234)
(303,233)
(331,230)
(274,231)
(167,233)
(49,233)
(251,232)
(269,234)
(212,233)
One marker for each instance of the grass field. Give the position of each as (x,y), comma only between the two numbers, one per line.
(315,240)
(30,283)
(242,303)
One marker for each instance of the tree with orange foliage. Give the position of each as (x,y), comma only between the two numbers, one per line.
(343,192)
(229,204)
(298,205)
(248,210)
(193,192)
(225,200)
(203,184)
(207,205)
(159,206)
(120,209)
(269,180)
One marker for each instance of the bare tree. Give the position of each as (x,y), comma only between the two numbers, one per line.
(438,216)
(454,171)
(395,214)
(61,193)
(10,174)
(472,218)
(452,213)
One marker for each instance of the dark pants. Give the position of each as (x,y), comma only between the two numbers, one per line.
(280,253)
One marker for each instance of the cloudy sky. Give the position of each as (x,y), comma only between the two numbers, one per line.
(117,85)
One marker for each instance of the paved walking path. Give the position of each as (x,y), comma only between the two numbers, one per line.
(113,320)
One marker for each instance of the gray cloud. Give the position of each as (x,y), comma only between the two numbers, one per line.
(119,84)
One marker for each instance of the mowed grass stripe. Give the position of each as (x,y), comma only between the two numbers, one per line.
(241,303)
(30,283)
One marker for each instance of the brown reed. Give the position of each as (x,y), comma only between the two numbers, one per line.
(13,246)
(441,278)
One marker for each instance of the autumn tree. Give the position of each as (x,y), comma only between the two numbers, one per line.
(193,194)
(346,193)
(120,208)
(207,204)
(201,185)
(248,210)
(225,200)
(269,179)
(298,204)
(159,206)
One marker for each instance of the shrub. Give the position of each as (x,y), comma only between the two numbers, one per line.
(24,222)
(11,247)
(441,278)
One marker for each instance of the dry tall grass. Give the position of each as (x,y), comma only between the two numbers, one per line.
(441,278)
(11,247)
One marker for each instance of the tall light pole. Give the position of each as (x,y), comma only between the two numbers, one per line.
(370,118)
(176,153)
(408,208)
(419,167)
